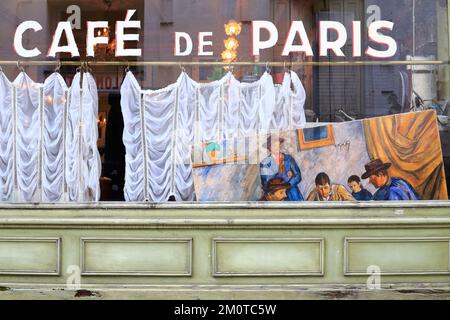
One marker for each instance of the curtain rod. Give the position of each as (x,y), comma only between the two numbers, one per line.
(218,63)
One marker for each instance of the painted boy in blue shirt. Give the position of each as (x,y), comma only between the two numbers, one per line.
(358,191)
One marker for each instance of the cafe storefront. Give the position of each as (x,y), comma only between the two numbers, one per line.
(239,149)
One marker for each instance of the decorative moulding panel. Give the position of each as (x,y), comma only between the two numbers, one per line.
(268,256)
(30,256)
(136,256)
(397,255)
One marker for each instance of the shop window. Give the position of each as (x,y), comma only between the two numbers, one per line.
(345,91)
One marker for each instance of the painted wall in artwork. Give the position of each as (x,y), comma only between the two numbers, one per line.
(399,145)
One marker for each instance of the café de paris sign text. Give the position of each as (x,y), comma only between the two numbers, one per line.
(296,29)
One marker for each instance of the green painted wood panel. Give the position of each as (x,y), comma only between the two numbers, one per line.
(268,257)
(136,257)
(145,248)
(29,256)
(402,256)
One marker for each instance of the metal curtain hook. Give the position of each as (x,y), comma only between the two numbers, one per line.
(127,69)
(230,67)
(182,68)
(88,68)
(20,67)
(58,67)
(80,68)
(267,67)
(287,68)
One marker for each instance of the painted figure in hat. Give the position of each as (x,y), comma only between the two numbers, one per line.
(275,190)
(389,188)
(281,165)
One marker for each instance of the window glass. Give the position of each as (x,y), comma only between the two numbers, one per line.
(338,88)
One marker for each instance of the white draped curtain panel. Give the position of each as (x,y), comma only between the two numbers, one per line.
(160,126)
(48,140)
(48,132)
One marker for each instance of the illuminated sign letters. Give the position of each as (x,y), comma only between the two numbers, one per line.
(264,36)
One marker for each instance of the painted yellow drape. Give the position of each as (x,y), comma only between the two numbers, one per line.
(411,143)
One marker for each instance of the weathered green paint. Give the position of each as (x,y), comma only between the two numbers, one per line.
(228,251)
(137,256)
(264,257)
(419,255)
(18,255)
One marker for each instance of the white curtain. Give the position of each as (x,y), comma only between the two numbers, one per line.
(83,167)
(48,140)
(91,161)
(54,154)
(28,136)
(227,108)
(297,103)
(290,99)
(160,126)
(6,139)
(158,132)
